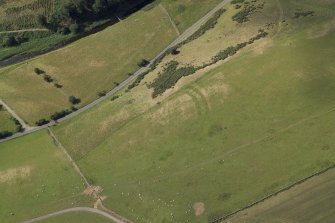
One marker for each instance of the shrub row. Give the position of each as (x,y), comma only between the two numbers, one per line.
(139,79)
(297,15)
(169,77)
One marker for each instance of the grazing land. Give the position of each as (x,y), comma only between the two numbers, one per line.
(85,68)
(225,136)
(6,123)
(36,179)
(245,107)
(310,202)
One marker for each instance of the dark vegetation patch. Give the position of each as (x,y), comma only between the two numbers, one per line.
(243,15)
(172,73)
(169,77)
(74,100)
(300,13)
(174,50)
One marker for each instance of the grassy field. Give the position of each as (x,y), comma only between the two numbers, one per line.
(36,179)
(6,124)
(86,67)
(77,217)
(184,12)
(310,202)
(223,137)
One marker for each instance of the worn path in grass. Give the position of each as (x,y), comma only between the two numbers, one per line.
(24,30)
(77,209)
(187,33)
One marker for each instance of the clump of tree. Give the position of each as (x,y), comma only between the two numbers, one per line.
(38,71)
(102,93)
(42,122)
(47,78)
(58,115)
(74,100)
(74,16)
(143,63)
(5,134)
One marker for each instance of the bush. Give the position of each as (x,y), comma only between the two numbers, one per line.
(57,85)
(42,122)
(5,134)
(38,71)
(243,15)
(143,63)
(48,78)
(115,97)
(73,100)
(102,93)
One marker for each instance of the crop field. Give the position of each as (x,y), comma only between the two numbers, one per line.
(225,136)
(85,68)
(36,178)
(77,217)
(6,123)
(310,202)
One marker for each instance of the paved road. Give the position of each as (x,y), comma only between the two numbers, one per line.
(11,111)
(182,37)
(25,30)
(77,209)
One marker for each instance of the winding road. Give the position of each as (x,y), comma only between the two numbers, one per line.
(178,40)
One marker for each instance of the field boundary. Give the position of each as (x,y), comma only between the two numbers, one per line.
(76,167)
(322,171)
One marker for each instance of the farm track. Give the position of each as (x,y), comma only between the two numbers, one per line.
(104,211)
(178,40)
(77,209)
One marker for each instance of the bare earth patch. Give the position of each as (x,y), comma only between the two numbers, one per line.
(198,208)
(9,175)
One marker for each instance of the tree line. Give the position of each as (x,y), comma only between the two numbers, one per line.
(75,15)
